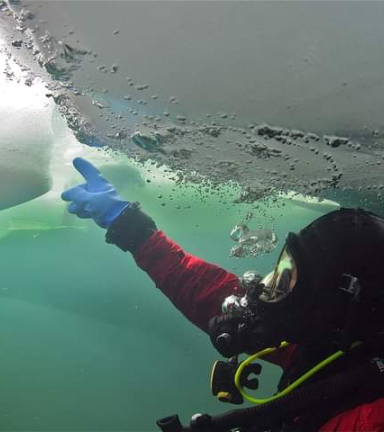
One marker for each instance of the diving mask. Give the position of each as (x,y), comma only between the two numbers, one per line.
(280,283)
(249,323)
(274,287)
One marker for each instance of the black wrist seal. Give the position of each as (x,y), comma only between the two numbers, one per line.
(130,229)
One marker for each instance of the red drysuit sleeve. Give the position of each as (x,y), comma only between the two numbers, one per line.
(196,287)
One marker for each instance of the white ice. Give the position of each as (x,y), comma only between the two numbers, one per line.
(25,140)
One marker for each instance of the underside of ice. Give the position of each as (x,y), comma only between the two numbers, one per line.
(270,109)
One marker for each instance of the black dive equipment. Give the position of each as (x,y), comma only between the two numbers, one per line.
(325,293)
(223,380)
(237,330)
(366,376)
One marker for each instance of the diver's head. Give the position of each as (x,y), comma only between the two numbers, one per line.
(327,287)
(334,261)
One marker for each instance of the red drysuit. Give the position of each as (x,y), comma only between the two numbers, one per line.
(198,289)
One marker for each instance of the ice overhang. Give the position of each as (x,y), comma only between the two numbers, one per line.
(192,84)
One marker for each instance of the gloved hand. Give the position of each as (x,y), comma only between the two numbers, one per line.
(96,199)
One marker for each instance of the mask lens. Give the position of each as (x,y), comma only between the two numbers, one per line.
(283,280)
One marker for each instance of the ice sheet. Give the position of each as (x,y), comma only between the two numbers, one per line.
(198,80)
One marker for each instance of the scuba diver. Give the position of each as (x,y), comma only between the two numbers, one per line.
(318,314)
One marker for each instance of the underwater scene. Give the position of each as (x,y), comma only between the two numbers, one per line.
(231,123)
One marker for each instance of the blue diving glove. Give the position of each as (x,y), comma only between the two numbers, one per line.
(96,199)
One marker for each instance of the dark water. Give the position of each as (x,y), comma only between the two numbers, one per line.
(88,342)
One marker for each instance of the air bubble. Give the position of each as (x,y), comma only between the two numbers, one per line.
(251,243)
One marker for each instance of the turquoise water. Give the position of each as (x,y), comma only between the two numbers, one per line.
(88,342)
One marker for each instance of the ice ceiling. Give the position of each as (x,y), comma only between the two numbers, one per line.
(276,96)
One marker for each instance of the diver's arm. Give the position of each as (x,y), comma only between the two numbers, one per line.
(196,287)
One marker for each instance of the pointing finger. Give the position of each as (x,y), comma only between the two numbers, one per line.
(91,174)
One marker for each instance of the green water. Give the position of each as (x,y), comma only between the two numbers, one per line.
(88,342)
